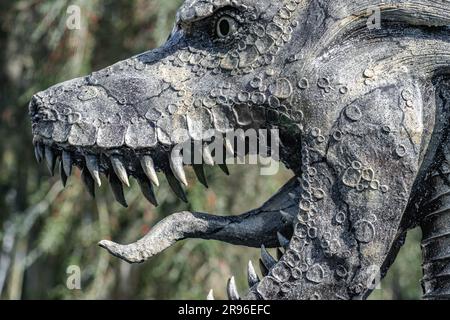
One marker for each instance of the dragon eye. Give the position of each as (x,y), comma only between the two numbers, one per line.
(225,27)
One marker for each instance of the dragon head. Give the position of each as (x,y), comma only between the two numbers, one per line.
(220,70)
(345,104)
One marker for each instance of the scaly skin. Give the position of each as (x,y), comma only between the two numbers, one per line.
(355,108)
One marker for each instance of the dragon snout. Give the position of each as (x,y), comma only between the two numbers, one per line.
(42,117)
(81,124)
(34,108)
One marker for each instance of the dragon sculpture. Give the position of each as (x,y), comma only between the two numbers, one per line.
(362,116)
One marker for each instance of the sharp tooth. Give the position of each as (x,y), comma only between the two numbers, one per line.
(282,240)
(252,277)
(147,191)
(120,170)
(117,189)
(149,169)
(62,174)
(266,258)
(228,146)
(293,196)
(200,173)
(210,295)
(224,168)
(50,158)
(92,165)
(176,186)
(176,164)
(88,182)
(287,218)
(207,156)
(232,290)
(67,163)
(279,253)
(39,152)
(264,270)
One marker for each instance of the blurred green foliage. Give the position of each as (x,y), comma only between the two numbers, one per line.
(44,229)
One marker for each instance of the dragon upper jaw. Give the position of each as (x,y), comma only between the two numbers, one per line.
(83,123)
(119,164)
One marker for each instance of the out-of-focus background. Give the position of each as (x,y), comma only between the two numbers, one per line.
(44,229)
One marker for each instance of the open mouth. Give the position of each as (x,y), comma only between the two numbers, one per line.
(271,225)
(57,139)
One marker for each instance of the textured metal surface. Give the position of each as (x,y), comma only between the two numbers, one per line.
(358,111)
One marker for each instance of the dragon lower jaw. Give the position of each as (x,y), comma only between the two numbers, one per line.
(270,226)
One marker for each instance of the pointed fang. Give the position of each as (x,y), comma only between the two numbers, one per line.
(176,164)
(266,258)
(120,170)
(67,163)
(232,290)
(200,173)
(252,277)
(210,295)
(287,218)
(149,169)
(117,189)
(88,182)
(92,165)
(147,190)
(176,186)
(63,175)
(282,240)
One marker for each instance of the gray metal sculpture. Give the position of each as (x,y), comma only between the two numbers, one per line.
(362,113)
